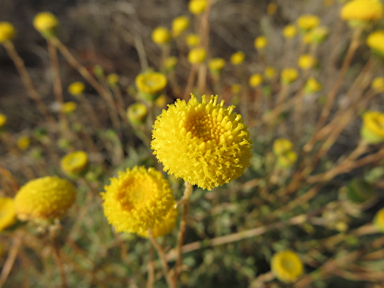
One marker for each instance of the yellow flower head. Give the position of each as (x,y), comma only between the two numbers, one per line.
(179,25)
(312,86)
(378,84)
(203,143)
(170,63)
(23,142)
(76,88)
(151,83)
(166,226)
(74,163)
(8,212)
(255,80)
(372,130)
(237,58)
(46,23)
(363,10)
(137,113)
(137,200)
(3,120)
(192,40)
(197,55)
(287,266)
(318,34)
(161,101)
(44,198)
(216,64)
(69,107)
(379,220)
(235,88)
(287,159)
(261,42)
(161,36)
(308,22)
(281,146)
(113,79)
(269,72)
(289,75)
(289,31)
(197,6)
(7,32)
(271,8)
(375,41)
(306,61)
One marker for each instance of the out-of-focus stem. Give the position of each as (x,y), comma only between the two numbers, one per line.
(58,259)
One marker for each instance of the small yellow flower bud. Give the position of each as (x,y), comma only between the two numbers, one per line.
(216,65)
(306,61)
(179,25)
(287,266)
(46,23)
(76,88)
(197,6)
(7,32)
(375,41)
(255,80)
(308,22)
(261,42)
(23,142)
(197,55)
(289,31)
(69,107)
(319,34)
(3,120)
(372,130)
(271,8)
(237,58)
(281,146)
(312,86)
(235,88)
(73,164)
(137,113)
(378,84)
(150,85)
(363,10)
(113,79)
(170,63)
(161,36)
(289,75)
(269,72)
(161,102)
(192,40)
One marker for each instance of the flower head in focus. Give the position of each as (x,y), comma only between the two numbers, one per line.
(74,163)
(372,130)
(204,143)
(44,198)
(76,88)
(161,35)
(237,58)
(287,266)
(7,32)
(137,200)
(8,213)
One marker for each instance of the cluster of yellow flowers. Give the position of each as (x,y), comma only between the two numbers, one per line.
(283,150)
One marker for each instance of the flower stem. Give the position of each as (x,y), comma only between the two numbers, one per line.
(58,259)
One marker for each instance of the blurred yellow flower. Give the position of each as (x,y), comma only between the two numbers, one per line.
(306,61)
(289,31)
(363,10)
(161,102)
(44,198)
(281,146)
(166,226)
(271,8)
(161,35)
(289,75)
(76,88)
(216,64)
(203,143)
(23,142)
(137,113)
(192,40)
(7,32)
(74,163)
(197,6)
(261,42)
(379,220)
(113,79)
(269,72)
(312,85)
(69,107)
(308,22)
(137,200)
(318,34)
(287,159)
(45,23)
(197,55)
(372,130)
(8,212)
(378,84)
(237,58)
(179,25)
(375,41)
(170,63)
(255,80)
(235,88)
(3,120)
(287,266)
(151,83)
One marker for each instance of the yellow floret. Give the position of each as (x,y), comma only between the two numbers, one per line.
(308,22)
(261,42)
(197,55)
(375,41)
(378,84)
(197,6)
(113,79)
(204,143)
(151,83)
(306,61)
(69,107)
(170,63)
(74,163)
(76,88)
(269,72)
(7,32)
(216,64)
(7,212)
(237,58)
(161,35)
(287,159)
(45,21)
(179,25)
(44,198)
(192,40)
(372,130)
(289,31)
(137,200)
(255,80)
(289,75)
(281,146)
(363,10)
(287,266)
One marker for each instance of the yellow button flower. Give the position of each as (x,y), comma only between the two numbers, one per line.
(192,40)
(271,8)
(170,63)
(372,130)
(44,198)
(378,84)
(161,36)
(197,55)
(287,159)
(46,23)
(308,22)
(74,163)
(76,88)
(379,220)
(289,31)
(235,88)
(197,6)
(375,41)
(137,200)
(312,86)
(137,113)
(203,143)
(287,266)
(23,142)
(179,25)
(151,84)
(261,42)
(69,107)
(306,61)
(237,58)
(7,212)
(289,75)
(216,64)
(7,32)
(113,79)
(363,10)
(161,102)
(269,72)
(255,80)
(281,146)
(318,34)
(3,120)
(166,226)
